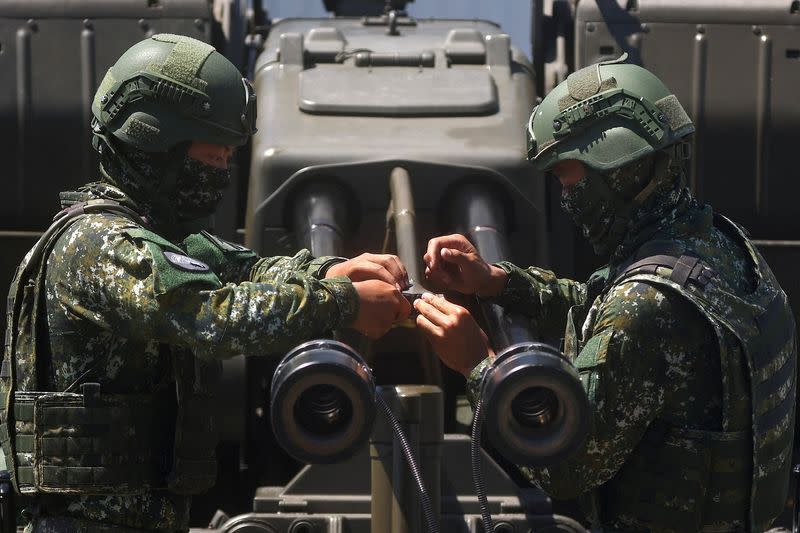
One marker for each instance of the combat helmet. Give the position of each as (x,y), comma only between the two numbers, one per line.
(605,115)
(170,88)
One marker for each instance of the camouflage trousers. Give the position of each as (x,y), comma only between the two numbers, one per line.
(65,524)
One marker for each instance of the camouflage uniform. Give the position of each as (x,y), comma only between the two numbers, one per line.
(649,361)
(685,342)
(119,317)
(114,303)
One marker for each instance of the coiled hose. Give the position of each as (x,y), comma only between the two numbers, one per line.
(424,497)
(477,474)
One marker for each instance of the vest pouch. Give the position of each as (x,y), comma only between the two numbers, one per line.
(683,479)
(88,443)
(194,462)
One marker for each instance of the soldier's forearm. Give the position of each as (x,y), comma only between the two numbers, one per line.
(273,269)
(257,318)
(541,296)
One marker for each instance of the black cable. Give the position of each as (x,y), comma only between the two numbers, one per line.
(477,474)
(424,497)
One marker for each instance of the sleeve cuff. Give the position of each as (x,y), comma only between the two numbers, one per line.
(346,299)
(515,285)
(319,266)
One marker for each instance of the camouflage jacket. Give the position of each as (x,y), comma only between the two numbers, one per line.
(114,299)
(654,359)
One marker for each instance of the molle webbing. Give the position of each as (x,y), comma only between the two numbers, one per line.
(194,464)
(773,387)
(49,524)
(684,480)
(23,311)
(763,326)
(89,443)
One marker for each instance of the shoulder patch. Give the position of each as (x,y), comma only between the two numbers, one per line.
(185,262)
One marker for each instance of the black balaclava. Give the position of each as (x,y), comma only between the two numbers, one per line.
(199,189)
(608,206)
(178,193)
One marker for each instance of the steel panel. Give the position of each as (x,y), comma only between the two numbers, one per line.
(118,9)
(53,55)
(50,69)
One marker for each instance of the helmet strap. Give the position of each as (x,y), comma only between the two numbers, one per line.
(663,161)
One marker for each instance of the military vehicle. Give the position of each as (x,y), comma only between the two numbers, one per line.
(378,131)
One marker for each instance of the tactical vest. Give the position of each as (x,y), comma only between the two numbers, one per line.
(686,479)
(91,442)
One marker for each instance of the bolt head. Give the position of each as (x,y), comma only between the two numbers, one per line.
(104,99)
(557,125)
(206,107)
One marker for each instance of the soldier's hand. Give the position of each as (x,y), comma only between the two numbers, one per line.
(452,331)
(381,306)
(452,262)
(383,267)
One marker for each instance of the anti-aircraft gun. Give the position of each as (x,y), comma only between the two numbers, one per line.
(373,136)
(378,131)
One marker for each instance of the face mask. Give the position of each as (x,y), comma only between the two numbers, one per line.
(601,204)
(199,189)
(590,206)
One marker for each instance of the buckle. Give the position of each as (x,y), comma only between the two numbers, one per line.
(683,151)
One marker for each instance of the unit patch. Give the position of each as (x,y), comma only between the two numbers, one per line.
(185,262)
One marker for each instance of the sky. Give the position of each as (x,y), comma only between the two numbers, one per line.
(512,15)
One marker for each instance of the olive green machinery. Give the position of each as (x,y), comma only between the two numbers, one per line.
(345,103)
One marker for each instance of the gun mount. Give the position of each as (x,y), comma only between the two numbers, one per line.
(343,102)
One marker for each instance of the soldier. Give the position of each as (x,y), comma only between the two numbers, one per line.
(121,314)
(684,341)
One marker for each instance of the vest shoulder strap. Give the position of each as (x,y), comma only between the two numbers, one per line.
(685,268)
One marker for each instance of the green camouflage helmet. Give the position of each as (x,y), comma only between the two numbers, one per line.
(606,116)
(170,88)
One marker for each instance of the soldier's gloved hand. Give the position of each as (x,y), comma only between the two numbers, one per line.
(452,262)
(452,331)
(384,267)
(381,306)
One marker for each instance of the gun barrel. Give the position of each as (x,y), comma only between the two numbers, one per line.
(320,218)
(477,212)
